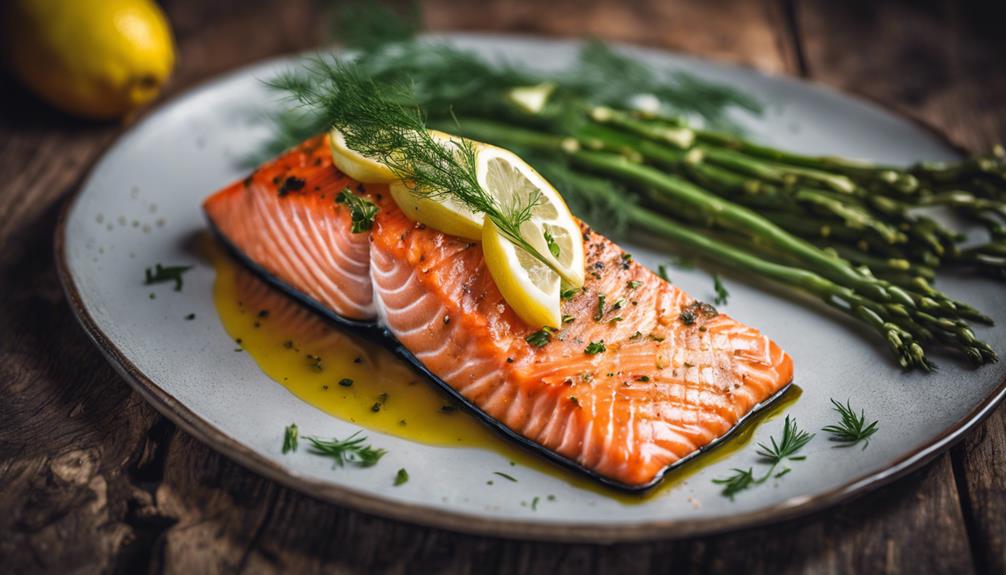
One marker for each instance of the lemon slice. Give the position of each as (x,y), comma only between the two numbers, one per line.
(529,286)
(355,165)
(551,229)
(442,212)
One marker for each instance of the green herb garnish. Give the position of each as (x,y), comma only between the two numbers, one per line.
(505,476)
(163,274)
(290,438)
(568,293)
(401,477)
(599,312)
(540,338)
(740,480)
(793,439)
(633,284)
(595,347)
(852,428)
(722,295)
(662,272)
(361,210)
(352,450)
(774,454)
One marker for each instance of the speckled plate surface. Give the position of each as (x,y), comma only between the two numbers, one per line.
(141,205)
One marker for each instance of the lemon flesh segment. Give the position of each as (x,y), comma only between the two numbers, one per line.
(355,165)
(529,286)
(551,229)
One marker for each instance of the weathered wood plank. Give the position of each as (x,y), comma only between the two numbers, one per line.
(937,61)
(730,30)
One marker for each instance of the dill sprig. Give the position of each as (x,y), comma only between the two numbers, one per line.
(385,123)
(605,76)
(775,453)
(352,450)
(741,480)
(793,439)
(852,428)
(369,25)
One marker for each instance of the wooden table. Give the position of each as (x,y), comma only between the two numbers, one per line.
(92,479)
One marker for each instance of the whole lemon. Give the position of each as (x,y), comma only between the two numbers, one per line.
(92,58)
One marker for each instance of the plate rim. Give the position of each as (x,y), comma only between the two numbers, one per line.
(420,515)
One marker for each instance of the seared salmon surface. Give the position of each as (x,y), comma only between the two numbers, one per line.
(639,376)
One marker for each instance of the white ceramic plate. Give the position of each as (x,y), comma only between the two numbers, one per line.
(141,205)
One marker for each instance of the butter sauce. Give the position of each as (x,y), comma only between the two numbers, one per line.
(361,382)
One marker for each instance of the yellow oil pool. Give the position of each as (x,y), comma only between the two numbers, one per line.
(361,382)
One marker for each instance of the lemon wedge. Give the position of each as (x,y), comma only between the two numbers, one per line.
(355,165)
(528,285)
(442,212)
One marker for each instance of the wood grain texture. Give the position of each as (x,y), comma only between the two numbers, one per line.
(93,480)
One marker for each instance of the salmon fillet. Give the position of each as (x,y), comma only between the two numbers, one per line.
(675,375)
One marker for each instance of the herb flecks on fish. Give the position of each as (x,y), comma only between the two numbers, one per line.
(361,210)
(540,338)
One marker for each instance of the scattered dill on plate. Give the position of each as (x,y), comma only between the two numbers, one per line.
(775,453)
(165,274)
(852,428)
(353,450)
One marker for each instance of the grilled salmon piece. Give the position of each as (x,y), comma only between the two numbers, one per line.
(284,218)
(639,377)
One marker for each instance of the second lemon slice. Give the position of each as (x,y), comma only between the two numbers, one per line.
(441,212)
